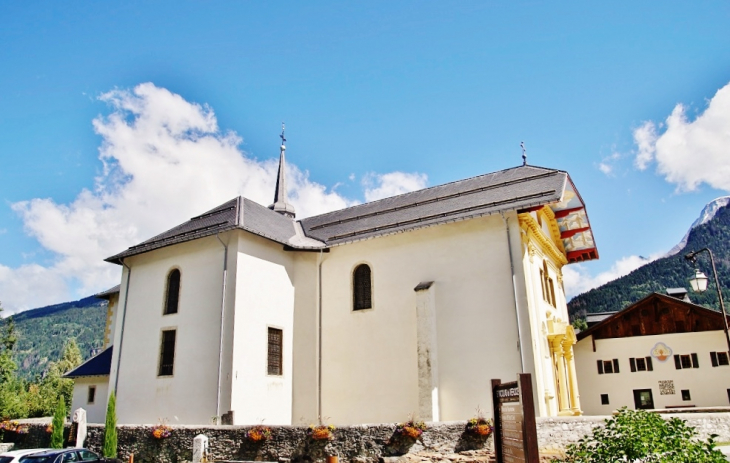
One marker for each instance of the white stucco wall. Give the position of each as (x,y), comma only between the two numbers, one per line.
(189,395)
(708,386)
(370,356)
(95,412)
(264,299)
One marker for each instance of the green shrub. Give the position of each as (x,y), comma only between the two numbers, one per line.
(59,419)
(110,428)
(643,437)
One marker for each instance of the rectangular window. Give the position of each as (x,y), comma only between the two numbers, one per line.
(686,361)
(604,399)
(167,353)
(641,364)
(719,359)
(91,395)
(685,394)
(607,366)
(275,352)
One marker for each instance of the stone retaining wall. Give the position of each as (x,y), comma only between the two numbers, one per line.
(359,444)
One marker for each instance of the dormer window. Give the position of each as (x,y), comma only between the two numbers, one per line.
(362,288)
(172,297)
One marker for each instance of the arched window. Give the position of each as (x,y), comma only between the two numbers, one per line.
(173,292)
(362,290)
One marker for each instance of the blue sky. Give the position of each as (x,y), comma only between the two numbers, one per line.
(378,98)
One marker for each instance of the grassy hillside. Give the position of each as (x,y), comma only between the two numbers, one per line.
(43,332)
(668,272)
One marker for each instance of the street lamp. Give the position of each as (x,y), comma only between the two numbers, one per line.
(699,284)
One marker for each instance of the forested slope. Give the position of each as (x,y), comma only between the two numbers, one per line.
(43,332)
(667,272)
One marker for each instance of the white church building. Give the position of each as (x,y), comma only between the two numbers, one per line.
(408,305)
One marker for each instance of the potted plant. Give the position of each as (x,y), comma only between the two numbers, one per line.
(161,431)
(259,433)
(321,432)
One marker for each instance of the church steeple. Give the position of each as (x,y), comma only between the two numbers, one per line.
(280,203)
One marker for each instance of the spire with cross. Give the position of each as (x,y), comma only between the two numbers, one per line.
(524,153)
(281,205)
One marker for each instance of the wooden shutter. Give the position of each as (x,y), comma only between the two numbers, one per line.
(600,367)
(615,366)
(713,358)
(275,351)
(695,361)
(649,365)
(632,364)
(677,362)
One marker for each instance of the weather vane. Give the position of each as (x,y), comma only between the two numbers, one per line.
(283,139)
(524,153)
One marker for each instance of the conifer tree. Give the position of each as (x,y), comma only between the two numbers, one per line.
(59,419)
(110,428)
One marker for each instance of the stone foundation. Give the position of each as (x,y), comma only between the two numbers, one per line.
(442,442)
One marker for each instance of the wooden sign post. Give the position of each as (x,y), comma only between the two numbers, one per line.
(515,433)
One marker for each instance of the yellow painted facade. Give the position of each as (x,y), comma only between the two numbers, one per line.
(544,259)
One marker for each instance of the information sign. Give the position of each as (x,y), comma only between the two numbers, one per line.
(515,433)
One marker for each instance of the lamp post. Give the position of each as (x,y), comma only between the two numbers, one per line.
(699,284)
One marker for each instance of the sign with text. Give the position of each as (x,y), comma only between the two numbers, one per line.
(515,434)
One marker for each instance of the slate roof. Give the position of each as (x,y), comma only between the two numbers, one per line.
(238,213)
(511,189)
(107,294)
(519,188)
(99,365)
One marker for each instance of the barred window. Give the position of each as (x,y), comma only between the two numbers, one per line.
(173,292)
(274,352)
(167,353)
(91,395)
(362,288)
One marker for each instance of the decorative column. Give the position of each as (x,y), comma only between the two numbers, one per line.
(563,404)
(572,378)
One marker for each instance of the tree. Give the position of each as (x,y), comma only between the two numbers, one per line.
(110,428)
(645,437)
(12,393)
(580,324)
(59,419)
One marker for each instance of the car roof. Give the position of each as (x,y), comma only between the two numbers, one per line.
(15,453)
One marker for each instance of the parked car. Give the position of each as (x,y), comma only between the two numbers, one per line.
(14,456)
(66,455)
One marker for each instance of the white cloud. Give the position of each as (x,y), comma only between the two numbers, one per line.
(577,279)
(645,138)
(607,164)
(164,161)
(379,186)
(689,153)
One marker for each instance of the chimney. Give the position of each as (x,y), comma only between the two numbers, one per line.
(679,293)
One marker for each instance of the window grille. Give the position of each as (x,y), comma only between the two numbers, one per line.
(362,288)
(275,352)
(167,353)
(173,292)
